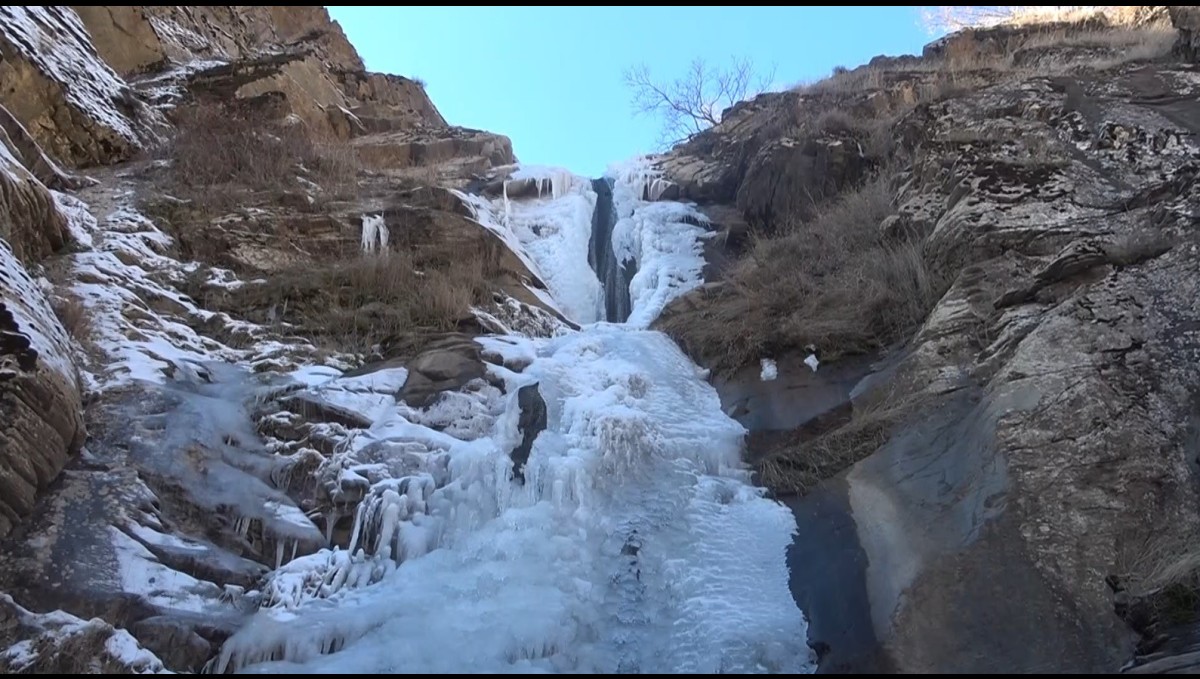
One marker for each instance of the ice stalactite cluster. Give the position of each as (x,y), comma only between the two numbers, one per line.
(374,234)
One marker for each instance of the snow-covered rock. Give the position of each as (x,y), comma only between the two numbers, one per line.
(72,102)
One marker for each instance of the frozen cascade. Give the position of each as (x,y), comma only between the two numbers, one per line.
(614,275)
(636,542)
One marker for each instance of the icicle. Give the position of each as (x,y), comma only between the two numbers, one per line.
(369,232)
(388,521)
(278,554)
(507,205)
(358,522)
(374,233)
(384,234)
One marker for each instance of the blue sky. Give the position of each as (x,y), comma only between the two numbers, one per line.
(550,77)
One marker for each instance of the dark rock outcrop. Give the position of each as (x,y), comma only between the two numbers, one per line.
(531,423)
(449,363)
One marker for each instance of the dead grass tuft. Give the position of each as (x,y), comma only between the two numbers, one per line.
(832,281)
(806,457)
(219,156)
(351,305)
(1163,571)
(74,316)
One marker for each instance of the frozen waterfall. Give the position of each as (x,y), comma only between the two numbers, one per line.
(635,541)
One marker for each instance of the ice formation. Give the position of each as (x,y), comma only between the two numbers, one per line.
(374,233)
(770,371)
(662,239)
(636,542)
(633,541)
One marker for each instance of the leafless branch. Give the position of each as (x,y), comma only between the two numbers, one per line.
(696,100)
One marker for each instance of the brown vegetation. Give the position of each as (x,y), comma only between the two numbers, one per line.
(351,305)
(801,458)
(833,281)
(220,156)
(73,315)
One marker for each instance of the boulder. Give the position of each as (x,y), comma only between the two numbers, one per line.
(444,365)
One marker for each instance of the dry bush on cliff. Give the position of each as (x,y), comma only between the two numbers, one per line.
(352,304)
(832,281)
(220,156)
(801,458)
(73,315)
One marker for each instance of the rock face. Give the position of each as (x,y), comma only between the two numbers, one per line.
(1054,447)
(71,101)
(41,420)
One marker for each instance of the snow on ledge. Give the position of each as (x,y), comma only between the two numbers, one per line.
(55,41)
(22,298)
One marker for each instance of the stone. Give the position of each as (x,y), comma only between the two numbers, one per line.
(531,422)
(444,365)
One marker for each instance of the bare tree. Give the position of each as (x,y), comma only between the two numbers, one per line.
(693,102)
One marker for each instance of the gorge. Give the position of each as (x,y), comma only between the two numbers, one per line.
(296,376)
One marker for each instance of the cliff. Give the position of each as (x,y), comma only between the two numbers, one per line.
(184,189)
(992,250)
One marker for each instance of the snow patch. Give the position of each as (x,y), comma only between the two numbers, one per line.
(769,370)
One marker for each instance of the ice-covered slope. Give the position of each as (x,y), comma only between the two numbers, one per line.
(630,540)
(635,543)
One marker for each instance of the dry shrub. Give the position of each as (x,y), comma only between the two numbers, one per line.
(1161,571)
(353,304)
(832,281)
(74,316)
(954,18)
(219,155)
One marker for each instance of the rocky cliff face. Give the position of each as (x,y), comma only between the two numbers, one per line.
(1048,176)
(249,144)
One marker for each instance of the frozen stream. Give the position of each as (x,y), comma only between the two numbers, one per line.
(630,541)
